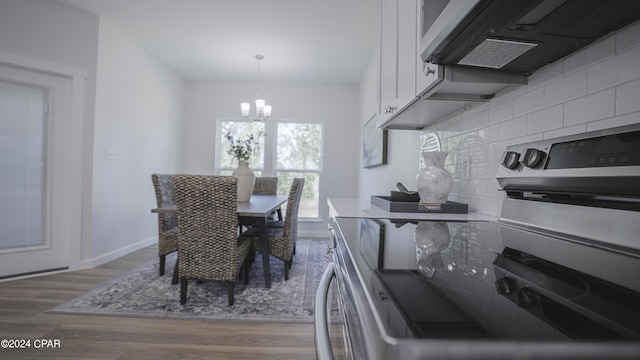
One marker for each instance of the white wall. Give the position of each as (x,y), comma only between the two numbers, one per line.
(57,34)
(138,121)
(334,105)
(135,113)
(595,88)
(402,154)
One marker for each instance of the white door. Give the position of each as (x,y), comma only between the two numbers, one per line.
(34,169)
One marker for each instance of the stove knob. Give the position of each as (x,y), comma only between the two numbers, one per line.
(510,159)
(532,157)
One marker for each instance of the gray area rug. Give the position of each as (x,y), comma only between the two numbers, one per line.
(141,292)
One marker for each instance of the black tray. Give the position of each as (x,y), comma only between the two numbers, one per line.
(387,204)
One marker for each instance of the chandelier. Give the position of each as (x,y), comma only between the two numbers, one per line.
(263,111)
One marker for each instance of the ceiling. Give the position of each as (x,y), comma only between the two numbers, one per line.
(301,40)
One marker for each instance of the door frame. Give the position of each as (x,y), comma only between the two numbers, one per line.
(77,184)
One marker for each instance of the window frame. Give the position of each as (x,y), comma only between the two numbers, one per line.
(217,168)
(270,153)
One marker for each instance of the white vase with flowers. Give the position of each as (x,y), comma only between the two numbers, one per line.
(241,150)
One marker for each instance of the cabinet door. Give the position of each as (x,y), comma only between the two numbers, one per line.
(398,55)
(426,73)
(407,52)
(388,55)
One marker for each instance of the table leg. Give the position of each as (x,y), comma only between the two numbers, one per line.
(264,249)
(174,278)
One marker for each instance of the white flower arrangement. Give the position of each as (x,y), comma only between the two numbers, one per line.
(241,149)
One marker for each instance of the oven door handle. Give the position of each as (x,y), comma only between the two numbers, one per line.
(323,343)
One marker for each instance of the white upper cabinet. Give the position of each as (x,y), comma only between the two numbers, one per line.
(414,94)
(425,73)
(407,51)
(398,56)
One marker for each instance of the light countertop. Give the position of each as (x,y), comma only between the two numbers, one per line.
(351,207)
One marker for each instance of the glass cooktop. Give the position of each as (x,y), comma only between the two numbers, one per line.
(477,280)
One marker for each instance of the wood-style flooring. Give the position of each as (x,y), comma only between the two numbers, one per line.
(23,306)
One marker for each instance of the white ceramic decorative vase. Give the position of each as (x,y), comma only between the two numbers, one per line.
(431,237)
(246,180)
(434,181)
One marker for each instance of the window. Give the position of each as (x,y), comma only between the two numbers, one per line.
(239,129)
(299,154)
(288,150)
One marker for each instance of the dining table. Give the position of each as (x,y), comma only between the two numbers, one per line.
(257,209)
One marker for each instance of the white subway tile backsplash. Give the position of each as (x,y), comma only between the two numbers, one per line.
(614,122)
(490,133)
(620,69)
(501,112)
(491,170)
(601,49)
(477,111)
(546,75)
(600,105)
(471,141)
(628,98)
(509,93)
(513,128)
(478,121)
(490,207)
(528,102)
(567,88)
(545,120)
(528,138)
(495,150)
(479,153)
(458,186)
(481,170)
(456,121)
(477,187)
(565,131)
(628,37)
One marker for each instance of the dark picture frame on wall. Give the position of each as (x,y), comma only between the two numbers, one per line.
(374,144)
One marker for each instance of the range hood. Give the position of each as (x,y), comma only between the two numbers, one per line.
(474,48)
(451,88)
(520,36)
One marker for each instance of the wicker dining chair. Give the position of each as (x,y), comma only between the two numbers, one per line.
(208,246)
(282,241)
(263,186)
(167,222)
(267,186)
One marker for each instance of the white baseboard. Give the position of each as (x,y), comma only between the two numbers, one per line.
(103,259)
(95,262)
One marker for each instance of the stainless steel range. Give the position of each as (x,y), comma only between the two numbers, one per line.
(556,277)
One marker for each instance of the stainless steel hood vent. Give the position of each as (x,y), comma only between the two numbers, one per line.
(495,54)
(521,36)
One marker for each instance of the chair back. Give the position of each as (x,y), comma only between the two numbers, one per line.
(265,186)
(293,203)
(163,186)
(208,221)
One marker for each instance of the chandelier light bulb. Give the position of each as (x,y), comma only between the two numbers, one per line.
(260,103)
(263,110)
(245,107)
